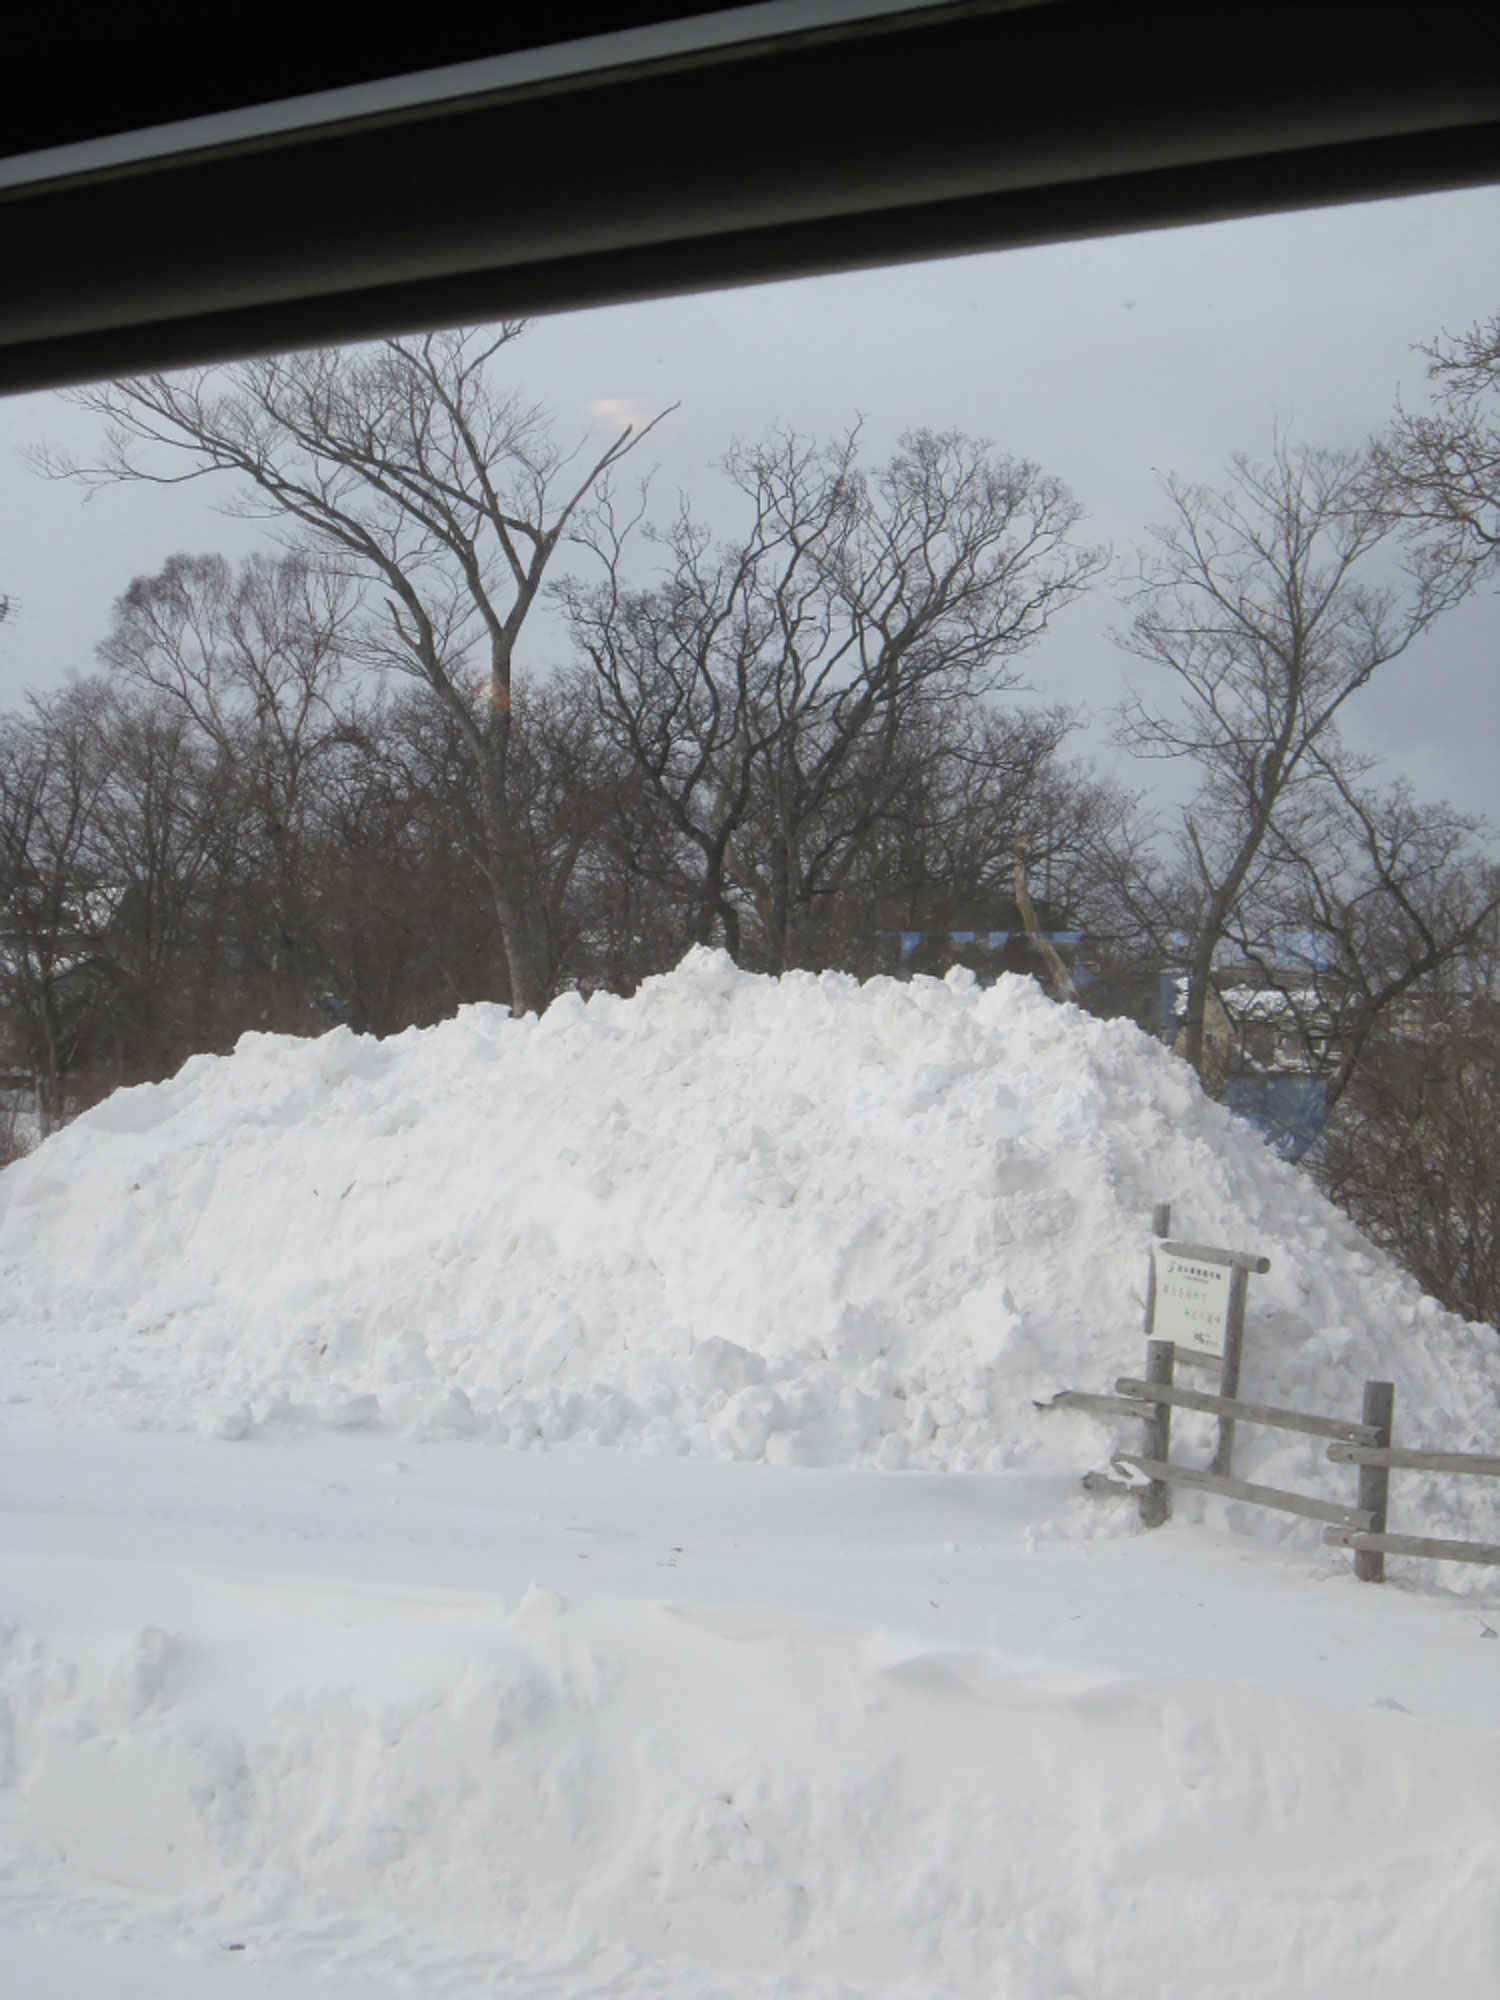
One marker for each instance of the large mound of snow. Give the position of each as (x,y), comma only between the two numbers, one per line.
(356,1697)
(804,1219)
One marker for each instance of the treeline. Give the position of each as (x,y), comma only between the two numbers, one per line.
(234,827)
(316,788)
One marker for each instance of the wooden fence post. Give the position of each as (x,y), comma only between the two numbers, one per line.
(1161,1228)
(1375,1480)
(1229,1377)
(1156,1496)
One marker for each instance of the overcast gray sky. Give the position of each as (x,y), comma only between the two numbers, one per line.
(1105,361)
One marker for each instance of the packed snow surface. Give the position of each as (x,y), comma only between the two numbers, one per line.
(336,1658)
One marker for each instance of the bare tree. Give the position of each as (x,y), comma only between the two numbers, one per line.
(984,785)
(1058,976)
(163,824)
(253,662)
(768,690)
(1413,1152)
(1362,910)
(443,496)
(1437,472)
(1269,604)
(395,888)
(54,765)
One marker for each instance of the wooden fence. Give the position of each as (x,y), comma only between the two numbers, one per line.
(1365,1446)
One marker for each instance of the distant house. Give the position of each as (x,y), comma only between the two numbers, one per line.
(1259,1025)
(1268,1049)
(1293,1028)
(1218,1028)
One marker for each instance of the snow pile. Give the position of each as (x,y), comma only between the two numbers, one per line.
(428,1722)
(756,1794)
(651,1722)
(799,1219)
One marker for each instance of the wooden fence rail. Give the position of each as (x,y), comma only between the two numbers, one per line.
(1430,1546)
(1402,1460)
(1102,1406)
(1366,1446)
(1131,1387)
(1241,1489)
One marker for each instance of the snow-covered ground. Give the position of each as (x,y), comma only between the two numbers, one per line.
(339,1656)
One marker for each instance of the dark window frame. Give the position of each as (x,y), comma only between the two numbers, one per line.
(684,165)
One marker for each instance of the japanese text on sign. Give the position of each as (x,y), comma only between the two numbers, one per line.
(1192,1303)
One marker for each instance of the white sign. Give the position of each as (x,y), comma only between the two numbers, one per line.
(1192,1303)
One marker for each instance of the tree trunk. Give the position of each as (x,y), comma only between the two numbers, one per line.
(528,994)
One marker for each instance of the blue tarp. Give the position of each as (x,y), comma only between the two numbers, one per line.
(1289,1112)
(985,940)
